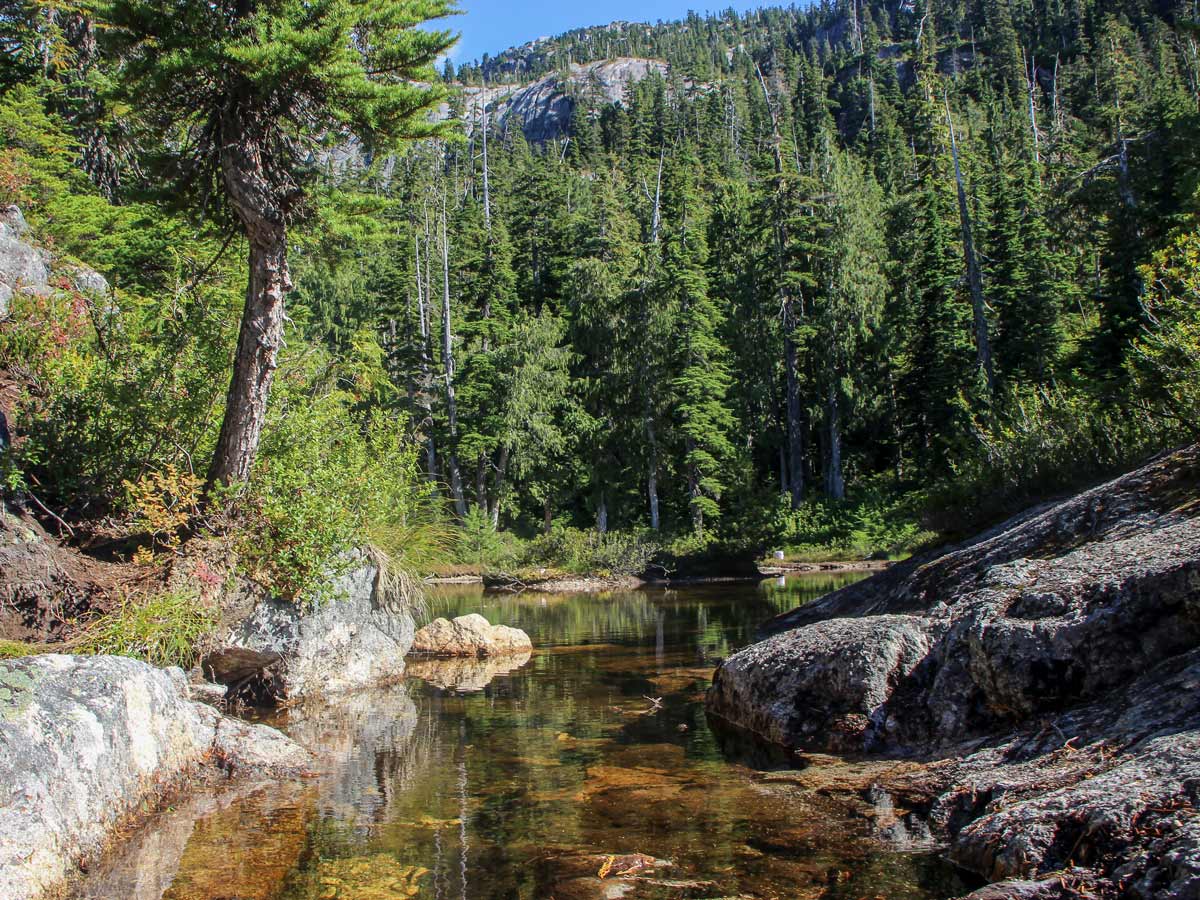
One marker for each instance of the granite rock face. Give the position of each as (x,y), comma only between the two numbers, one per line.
(23,267)
(26,268)
(1049,664)
(470,636)
(88,742)
(356,639)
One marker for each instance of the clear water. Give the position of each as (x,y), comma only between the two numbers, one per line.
(474,782)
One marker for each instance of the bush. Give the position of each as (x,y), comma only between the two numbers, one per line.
(1166,358)
(326,481)
(586,552)
(1043,442)
(876,519)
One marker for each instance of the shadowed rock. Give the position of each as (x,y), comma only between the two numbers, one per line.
(1049,663)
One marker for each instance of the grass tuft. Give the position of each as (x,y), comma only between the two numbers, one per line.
(167,629)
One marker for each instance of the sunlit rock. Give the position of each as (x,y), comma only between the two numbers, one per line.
(470,635)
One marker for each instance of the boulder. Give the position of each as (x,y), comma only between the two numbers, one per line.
(26,268)
(470,635)
(353,640)
(86,743)
(824,686)
(1047,669)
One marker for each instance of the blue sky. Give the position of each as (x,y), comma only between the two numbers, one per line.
(489,26)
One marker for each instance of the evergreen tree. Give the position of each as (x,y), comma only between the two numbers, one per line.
(241,88)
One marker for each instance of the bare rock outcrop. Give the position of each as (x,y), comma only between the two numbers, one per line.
(26,268)
(355,639)
(1048,670)
(86,743)
(472,636)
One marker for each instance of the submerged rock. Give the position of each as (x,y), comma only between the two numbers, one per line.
(356,639)
(470,635)
(88,742)
(1050,662)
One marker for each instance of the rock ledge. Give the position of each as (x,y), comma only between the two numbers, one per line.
(87,743)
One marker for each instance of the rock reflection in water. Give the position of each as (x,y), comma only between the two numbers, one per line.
(465,675)
(196,850)
(478,785)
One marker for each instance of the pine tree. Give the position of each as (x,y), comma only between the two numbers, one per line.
(701,380)
(248,85)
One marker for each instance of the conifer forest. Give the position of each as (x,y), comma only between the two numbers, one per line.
(839,278)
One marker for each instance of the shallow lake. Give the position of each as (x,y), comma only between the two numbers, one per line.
(482,781)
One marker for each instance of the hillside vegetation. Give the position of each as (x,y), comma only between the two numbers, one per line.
(841,280)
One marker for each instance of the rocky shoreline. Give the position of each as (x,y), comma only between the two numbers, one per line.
(1047,676)
(90,744)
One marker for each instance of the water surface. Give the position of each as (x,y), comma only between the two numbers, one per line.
(484,781)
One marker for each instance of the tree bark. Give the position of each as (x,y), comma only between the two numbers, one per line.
(652,474)
(602,514)
(693,477)
(795,433)
(256,204)
(501,469)
(426,386)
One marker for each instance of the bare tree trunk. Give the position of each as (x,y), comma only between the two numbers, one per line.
(795,434)
(487,194)
(835,485)
(602,514)
(1033,124)
(481,497)
(498,494)
(693,477)
(456,488)
(652,473)
(983,348)
(261,334)
(547,516)
(426,386)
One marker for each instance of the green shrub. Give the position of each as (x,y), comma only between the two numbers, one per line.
(586,552)
(1166,357)
(876,519)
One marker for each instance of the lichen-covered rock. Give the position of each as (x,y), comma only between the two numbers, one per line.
(1051,610)
(353,640)
(85,742)
(825,685)
(1051,665)
(469,635)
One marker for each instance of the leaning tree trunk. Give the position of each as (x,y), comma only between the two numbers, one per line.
(256,204)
